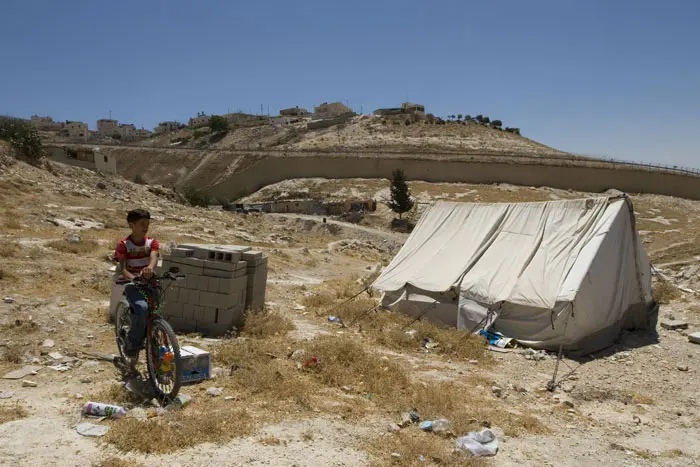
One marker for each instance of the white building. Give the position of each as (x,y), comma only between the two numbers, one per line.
(76,130)
(164,127)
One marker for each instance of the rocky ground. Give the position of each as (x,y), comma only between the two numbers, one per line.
(634,404)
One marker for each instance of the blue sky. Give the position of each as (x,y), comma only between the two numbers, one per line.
(603,77)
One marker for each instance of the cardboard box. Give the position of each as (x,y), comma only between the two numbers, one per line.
(196,364)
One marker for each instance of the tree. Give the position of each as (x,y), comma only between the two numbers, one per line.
(485,120)
(467,117)
(23,138)
(218,123)
(401,201)
(497,123)
(480,118)
(459,116)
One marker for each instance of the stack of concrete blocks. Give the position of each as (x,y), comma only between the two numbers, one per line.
(222,281)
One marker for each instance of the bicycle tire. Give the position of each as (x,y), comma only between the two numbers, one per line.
(159,324)
(123,316)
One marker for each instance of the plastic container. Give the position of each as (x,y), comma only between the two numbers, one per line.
(437,426)
(104,410)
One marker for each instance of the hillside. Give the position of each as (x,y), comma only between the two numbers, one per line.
(363,134)
(634,404)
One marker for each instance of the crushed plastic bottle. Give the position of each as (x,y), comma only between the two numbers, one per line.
(436,426)
(182,400)
(104,410)
(335,319)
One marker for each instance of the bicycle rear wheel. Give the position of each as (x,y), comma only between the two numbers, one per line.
(121,328)
(163,360)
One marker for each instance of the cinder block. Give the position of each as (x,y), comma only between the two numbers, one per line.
(172,309)
(240,273)
(214,284)
(219,273)
(182,252)
(182,325)
(202,283)
(207,316)
(220,265)
(231,316)
(191,281)
(252,257)
(194,298)
(189,312)
(241,265)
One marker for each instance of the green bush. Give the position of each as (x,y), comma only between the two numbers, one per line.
(195,196)
(23,138)
(218,123)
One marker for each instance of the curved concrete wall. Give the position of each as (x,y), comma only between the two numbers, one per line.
(234,174)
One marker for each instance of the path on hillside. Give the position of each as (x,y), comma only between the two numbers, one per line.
(392,236)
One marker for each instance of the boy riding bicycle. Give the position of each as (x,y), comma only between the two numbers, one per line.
(138,257)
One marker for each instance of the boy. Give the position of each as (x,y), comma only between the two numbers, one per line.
(138,257)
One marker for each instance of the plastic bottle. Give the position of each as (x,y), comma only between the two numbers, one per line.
(104,410)
(441,425)
(335,319)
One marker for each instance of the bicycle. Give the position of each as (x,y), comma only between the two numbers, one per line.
(163,359)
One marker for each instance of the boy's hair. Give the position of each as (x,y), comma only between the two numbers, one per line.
(136,215)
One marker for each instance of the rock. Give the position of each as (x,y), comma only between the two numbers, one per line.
(517,388)
(298,355)
(6,395)
(694,337)
(474,362)
(101,186)
(347,389)
(29,384)
(215,392)
(673,325)
(86,380)
(22,372)
(498,392)
(48,343)
(568,404)
(78,395)
(682,367)
(571,411)
(90,429)
(393,428)
(56,355)
(73,238)
(396,455)
(8,300)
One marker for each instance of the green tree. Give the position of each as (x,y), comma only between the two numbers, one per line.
(23,138)
(485,120)
(467,117)
(401,201)
(497,123)
(459,116)
(480,118)
(218,123)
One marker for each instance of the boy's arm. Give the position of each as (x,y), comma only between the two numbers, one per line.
(125,272)
(148,270)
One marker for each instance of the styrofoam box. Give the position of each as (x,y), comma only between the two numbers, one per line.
(196,364)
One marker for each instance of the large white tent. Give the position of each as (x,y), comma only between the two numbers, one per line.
(569,273)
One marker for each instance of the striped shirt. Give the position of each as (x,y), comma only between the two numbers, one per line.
(137,255)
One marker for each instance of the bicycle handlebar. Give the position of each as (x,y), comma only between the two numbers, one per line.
(167,276)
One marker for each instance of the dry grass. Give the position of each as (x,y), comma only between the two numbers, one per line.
(12,224)
(82,247)
(9,249)
(266,324)
(318,301)
(21,326)
(11,412)
(181,429)
(270,441)
(117,462)
(13,353)
(665,292)
(413,446)
(111,394)
(623,396)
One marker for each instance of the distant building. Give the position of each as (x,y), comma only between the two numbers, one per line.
(199,121)
(406,108)
(107,127)
(165,127)
(294,112)
(45,123)
(142,134)
(411,108)
(126,131)
(75,130)
(334,109)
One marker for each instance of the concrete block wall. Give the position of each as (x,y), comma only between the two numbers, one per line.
(222,281)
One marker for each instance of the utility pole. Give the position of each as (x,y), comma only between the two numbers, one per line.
(261,110)
(110,115)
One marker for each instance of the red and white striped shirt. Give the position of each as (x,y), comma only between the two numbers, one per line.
(137,255)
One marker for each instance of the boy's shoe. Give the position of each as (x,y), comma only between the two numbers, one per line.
(132,353)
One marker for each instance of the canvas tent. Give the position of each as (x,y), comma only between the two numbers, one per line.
(569,273)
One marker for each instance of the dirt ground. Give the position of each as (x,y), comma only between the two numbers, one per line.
(634,404)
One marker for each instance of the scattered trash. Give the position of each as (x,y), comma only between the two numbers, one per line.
(22,372)
(335,319)
(90,429)
(496,339)
(73,238)
(536,355)
(48,343)
(346,389)
(682,367)
(311,362)
(8,300)
(396,455)
(481,443)
(103,410)
(298,354)
(62,367)
(673,325)
(6,395)
(78,395)
(408,418)
(428,344)
(29,384)
(298,307)
(694,337)
(474,362)
(182,400)
(436,426)
(411,332)
(214,392)
(230,398)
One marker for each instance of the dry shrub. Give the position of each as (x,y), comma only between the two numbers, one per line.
(266,324)
(181,429)
(665,292)
(117,462)
(346,362)
(270,441)
(21,326)
(11,412)
(79,248)
(112,394)
(12,224)
(13,354)
(318,301)
(392,330)
(9,249)
(415,445)
(602,395)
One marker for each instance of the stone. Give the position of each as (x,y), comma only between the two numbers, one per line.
(90,429)
(498,392)
(393,428)
(22,372)
(673,325)
(56,355)
(29,384)
(214,392)
(682,367)
(694,337)
(6,395)
(48,343)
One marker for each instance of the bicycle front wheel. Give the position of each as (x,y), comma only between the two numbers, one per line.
(163,360)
